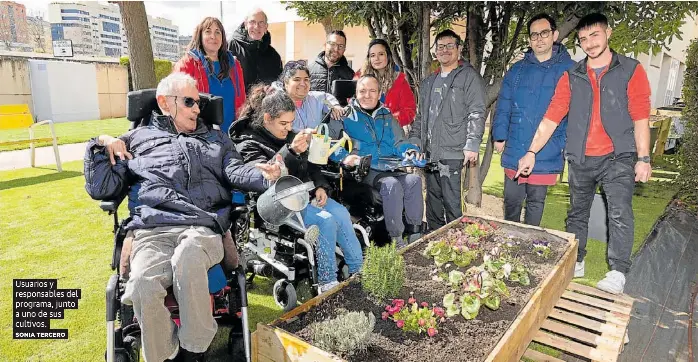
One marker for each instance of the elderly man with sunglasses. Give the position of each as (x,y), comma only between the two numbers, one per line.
(449,126)
(184,172)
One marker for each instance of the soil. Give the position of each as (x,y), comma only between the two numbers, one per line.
(458,339)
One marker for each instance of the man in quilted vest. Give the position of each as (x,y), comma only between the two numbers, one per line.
(606,98)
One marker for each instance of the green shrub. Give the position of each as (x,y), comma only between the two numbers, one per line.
(383,272)
(347,334)
(163,68)
(688,154)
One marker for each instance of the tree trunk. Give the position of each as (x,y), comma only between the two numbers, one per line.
(330,24)
(141,59)
(425,40)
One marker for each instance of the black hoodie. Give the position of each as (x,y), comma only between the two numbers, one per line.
(260,61)
(258,145)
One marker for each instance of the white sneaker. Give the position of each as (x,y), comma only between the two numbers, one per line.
(325,287)
(613,283)
(579,269)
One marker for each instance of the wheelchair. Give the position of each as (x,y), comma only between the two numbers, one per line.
(283,252)
(229,303)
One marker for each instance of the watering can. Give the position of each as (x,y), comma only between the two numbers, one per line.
(321,145)
(286,197)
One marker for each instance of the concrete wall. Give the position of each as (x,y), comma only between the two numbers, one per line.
(111,79)
(112,86)
(14,77)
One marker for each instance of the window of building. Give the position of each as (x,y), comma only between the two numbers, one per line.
(110,27)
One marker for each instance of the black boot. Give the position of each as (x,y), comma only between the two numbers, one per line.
(187,356)
(414,232)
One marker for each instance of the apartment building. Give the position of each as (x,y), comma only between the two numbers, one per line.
(97,30)
(13,24)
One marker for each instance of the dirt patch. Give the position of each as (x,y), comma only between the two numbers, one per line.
(469,340)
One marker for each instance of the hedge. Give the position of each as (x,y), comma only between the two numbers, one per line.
(688,154)
(162,69)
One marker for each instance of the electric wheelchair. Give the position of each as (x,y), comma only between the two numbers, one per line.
(229,301)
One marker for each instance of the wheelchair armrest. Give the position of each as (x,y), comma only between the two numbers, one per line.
(330,175)
(109,206)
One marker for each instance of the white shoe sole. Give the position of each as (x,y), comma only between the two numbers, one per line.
(608,288)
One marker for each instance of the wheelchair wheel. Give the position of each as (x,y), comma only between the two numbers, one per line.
(285,295)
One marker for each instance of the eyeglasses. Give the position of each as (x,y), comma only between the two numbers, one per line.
(449,46)
(189,102)
(261,24)
(543,34)
(335,45)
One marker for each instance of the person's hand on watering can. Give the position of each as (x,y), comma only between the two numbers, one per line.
(320,197)
(412,153)
(301,142)
(337,113)
(271,171)
(351,160)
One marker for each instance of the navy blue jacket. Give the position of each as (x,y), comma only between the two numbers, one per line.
(526,92)
(181,179)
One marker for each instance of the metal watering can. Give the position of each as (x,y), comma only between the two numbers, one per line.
(286,197)
(321,145)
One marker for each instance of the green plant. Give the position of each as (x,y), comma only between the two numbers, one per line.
(384,271)
(479,287)
(348,333)
(414,317)
(163,68)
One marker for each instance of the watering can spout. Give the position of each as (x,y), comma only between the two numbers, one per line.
(321,145)
(340,143)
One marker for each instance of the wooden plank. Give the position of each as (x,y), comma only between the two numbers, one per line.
(571,318)
(540,357)
(15,121)
(518,336)
(601,341)
(563,344)
(596,302)
(663,134)
(619,298)
(608,317)
(14,109)
(19,142)
(277,345)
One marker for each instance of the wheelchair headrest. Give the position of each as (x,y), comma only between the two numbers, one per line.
(343,89)
(141,104)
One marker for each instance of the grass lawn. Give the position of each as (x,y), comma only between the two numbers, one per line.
(66,132)
(52,229)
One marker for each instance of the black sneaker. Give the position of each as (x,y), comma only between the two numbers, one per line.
(187,356)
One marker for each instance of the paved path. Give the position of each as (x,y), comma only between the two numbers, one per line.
(12,160)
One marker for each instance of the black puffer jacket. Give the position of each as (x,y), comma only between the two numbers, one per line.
(257,145)
(321,78)
(182,179)
(260,61)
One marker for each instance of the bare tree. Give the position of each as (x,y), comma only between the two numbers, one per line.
(37,35)
(5,31)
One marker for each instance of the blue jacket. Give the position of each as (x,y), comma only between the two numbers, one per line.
(377,134)
(526,92)
(175,178)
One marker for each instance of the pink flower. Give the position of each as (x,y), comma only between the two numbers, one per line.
(422,322)
(385,315)
(387,307)
(439,311)
(411,300)
(400,323)
(398,302)
(431,331)
(425,304)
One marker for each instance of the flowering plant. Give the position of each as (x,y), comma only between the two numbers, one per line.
(479,286)
(542,248)
(413,316)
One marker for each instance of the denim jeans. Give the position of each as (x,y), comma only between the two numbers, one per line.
(335,228)
(616,175)
(514,195)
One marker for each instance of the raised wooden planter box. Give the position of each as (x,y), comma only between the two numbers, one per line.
(273,344)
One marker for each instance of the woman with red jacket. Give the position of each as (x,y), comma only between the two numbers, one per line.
(396,94)
(215,68)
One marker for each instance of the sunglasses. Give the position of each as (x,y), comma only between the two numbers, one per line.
(295,63)
(189,102)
